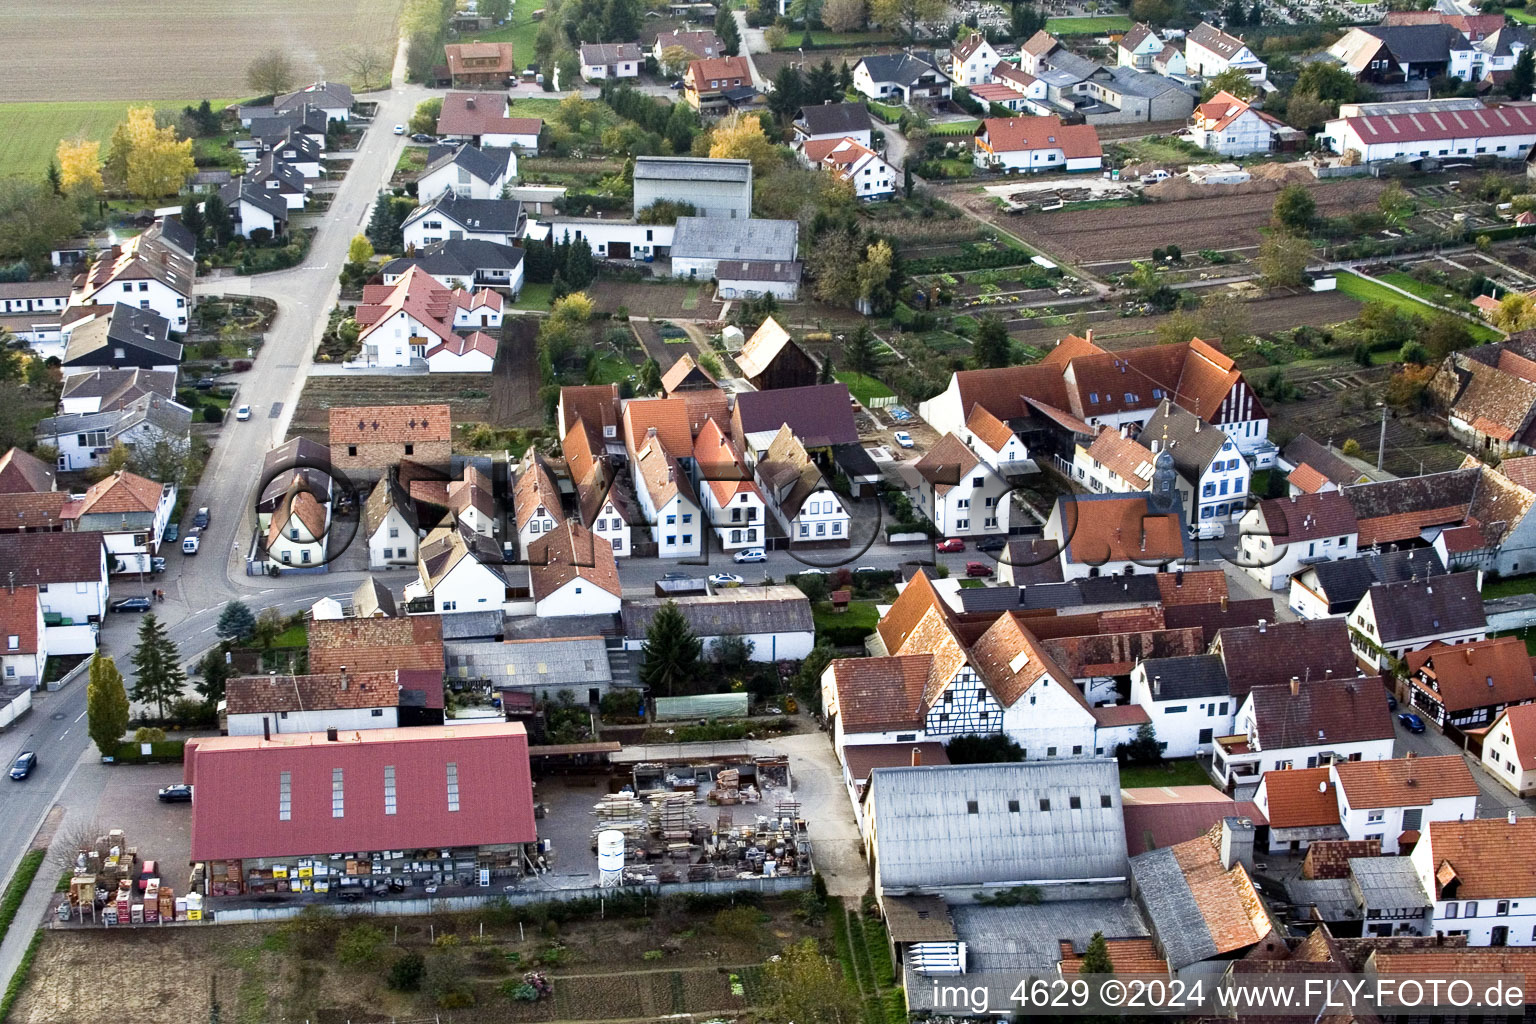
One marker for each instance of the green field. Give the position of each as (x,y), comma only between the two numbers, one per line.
(1088,26)
(1427,292)
(1370,291)
(821,37)
(864,387)
(30,132)
(1524,17)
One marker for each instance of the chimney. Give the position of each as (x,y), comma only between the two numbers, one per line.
(1263,623)
(1295,686)
(1223,602)
(266,727)
(917,757)
(1408,755)
(1237,842)
(1178,578)
(1467,651)
(1511,815)
(1157,685)
(330,734)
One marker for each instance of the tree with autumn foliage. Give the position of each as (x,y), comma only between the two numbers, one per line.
(740,137)
(147,158)
(1408,388)
(80,166)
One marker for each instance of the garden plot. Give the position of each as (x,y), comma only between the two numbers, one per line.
(1052,193)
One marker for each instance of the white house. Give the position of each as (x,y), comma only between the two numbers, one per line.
(417,319)
(23,637)
(1021,83)
(302,152)
(870,176)
(467,172)
(296,532)
(131,513)
(901,78)
(610,60)
(1328,588)
(1187,699)
(667,501)
(276,705)
(1509,749)
(731,501)
(701,244)
(604,510)
(390,525)
(833,121)
(752,279)
(1468,867)
(1213,475)
(1138,47)
(143,271)
(1507,131)
(797,494)
(464,262)
(1036,144)
(1305,725)
(971,61)
(1229,126)
(535,501)
(69,570)
(611,238)
(1282,536)
(253,209)
(458,571)
(995,443)
(573,572)
(957,492)
(1395,618)
(1208,51)
(1390,802)
(775,620)
(447,216)
(84,440)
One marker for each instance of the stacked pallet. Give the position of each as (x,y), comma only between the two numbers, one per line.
(672,816)
(623,812)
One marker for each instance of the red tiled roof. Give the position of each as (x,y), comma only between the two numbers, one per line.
(1307,517)
(376,645)
(881,694)
(1020,134)
(1479,674)
(719,69)
(1120,715)
(1508,120)
(1522,732)
(1126,956)
(863,758)
(18,618)
(458,53)
(988,429)
(1126,458)
(483,113)
(1121,529)
(254,695)
(22,473)
(1155,825)
(1405,781)
(1301,798)
(390,424)
(121,492)
(1306,479)
(670,418)
(1487,857)
(571,552)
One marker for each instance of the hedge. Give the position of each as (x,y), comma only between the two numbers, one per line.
(10,903)
(970,259)
(164,751)
(19,979)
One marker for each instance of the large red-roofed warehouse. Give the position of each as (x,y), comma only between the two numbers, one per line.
(380,798)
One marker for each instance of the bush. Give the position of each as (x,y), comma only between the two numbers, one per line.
(407,972)
(213,414)
(160,753)
(359,945)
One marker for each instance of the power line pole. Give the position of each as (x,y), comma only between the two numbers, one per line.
(1381,446)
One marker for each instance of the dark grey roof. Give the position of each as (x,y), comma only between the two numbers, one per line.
(1140,83)
(1192,442)
(304,144)
(1345,582)
(1076,67)
(1331,898)
(474,214)
(989,599)
(1414,493)
(169,417)
(474,626)
(330,94)
(834,119)
(1119,589)
(739,612)
(607,53)
(34,289)
(1034,560)
(1172,908)
(1502,42)
(1387,883)
(458,257)
(818,414)
(1199,675)
(1305,451)
(545,662)
(692,168)
(1017,942)
(485,164)
(757,270)
(721,238)
(305,117)
(127,326)
(902,68)
(269,201)
(1275,652)
(853,460)
(1421,608)
(118,385)
(176,234)
(1420,44)
(929,837)
(269,168)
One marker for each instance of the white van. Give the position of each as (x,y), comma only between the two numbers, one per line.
(190,542)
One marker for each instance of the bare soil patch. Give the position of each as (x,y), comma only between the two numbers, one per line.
(178,49)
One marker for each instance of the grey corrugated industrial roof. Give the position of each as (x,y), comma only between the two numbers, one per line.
(1330,897)
(574,660)
(1171,904)
(473,625)
(1029,938)
(739,611)
(1200,675)
(721,238)
(691,168)
(1023,829)
(1384,882)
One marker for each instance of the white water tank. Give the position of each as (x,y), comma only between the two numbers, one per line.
(610,858)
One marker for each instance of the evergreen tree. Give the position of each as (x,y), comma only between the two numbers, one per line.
(157,666)
(860,352)
(236,622)
(217,222)
(1025,21)
(725,28)
(844,80)
(671,652)
(383,228)
(214,672)
(106,705)
(821,84)
(1522,78)
(538,262)
(991,345)
(580,267)
(1096,957)
(1256,13)
(789,93)
(828,372)
(55,179)
(1235,13)
(906,179)
(621,21)
(192,217)
(558,289)
(207,120)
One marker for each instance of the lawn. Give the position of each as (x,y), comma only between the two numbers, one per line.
(822,37)
(1159,151)
(1508,585)
(1427,292)
(1367,290)
(533,296)
(611,369)
(864,387)
(967,127)
(1168,773)
(30,132)
(294,636)
(520,32)
(1088,26)
(1524,17)
(847,629)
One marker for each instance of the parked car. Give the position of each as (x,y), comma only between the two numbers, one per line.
(1391,702)
(990,544)
(811,572)
(677,85)
(1411,721)
(726,579)
(243,413)
(190,545)
(399,129)
(866,568)
(157,565)
(201,519)
(978,569)
(750,555)
(25,762)
(952,545)
(172,532)
(131,604)
(423,137)
(204,384)
(180,793)
(904,439)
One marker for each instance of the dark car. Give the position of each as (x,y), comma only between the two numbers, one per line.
(991,544)
(204,384)
(157,565)
(1391,703)
(172,532)
(181,793)
(201,519)
(1411,721)
(131,604)
(423,137)
(25,762)
(677,85)
(978,569)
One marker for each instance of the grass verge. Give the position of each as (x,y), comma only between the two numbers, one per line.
(19,979)
(10,903)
